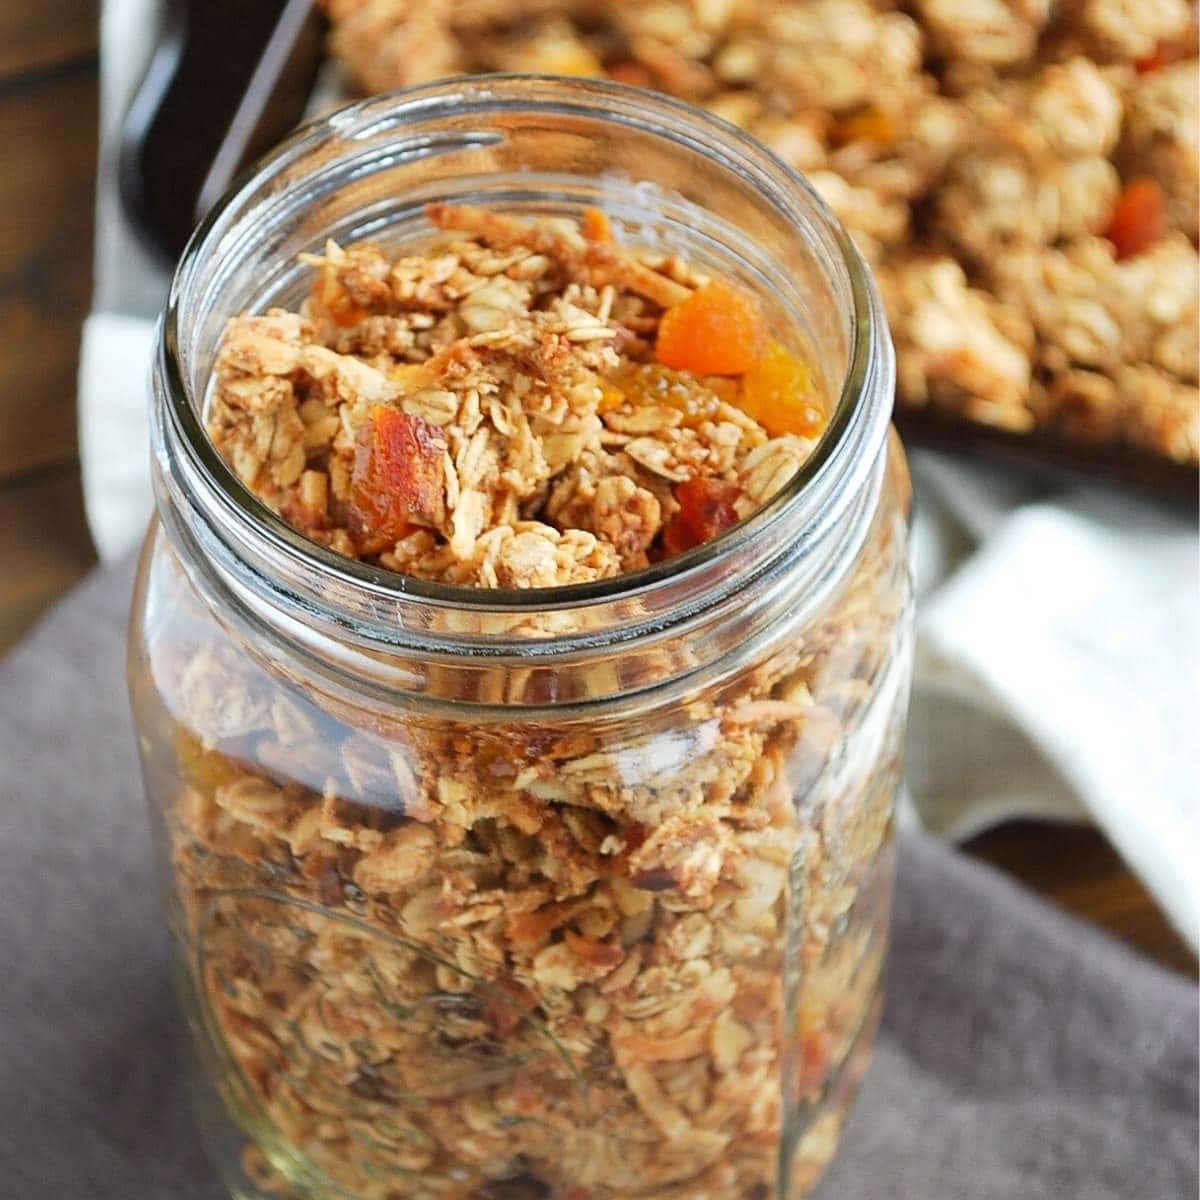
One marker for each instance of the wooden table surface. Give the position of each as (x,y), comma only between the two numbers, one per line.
(48,114)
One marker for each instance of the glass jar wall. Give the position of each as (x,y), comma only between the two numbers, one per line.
(575,892)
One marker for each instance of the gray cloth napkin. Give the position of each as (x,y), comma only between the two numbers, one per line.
(1023,1056)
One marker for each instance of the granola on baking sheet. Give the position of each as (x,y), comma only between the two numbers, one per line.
(1021,174)
(590,958)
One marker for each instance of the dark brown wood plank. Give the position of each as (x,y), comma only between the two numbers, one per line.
(1078,868)
(44,545)
(48,131)
(40,34)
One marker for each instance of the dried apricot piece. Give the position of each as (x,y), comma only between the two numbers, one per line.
(611,396)
(631,73)
(652,383)
(706,508)
(398,474)
(717,330)
(866,125)
(1138,219)
(779,393)
(596,226)
(1168,52)
(331,296)
(205,769)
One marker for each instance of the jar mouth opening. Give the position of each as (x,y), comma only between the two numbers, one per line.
(497,94)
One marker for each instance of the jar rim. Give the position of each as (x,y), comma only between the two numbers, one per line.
(497,93)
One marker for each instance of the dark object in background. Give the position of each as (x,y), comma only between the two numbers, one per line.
(228,80)
(1049,454)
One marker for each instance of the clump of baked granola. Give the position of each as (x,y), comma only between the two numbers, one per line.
(960,143)
(526,404)
(634,956)
(503,947)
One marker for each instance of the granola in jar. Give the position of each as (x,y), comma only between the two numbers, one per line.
(582,896)
(1022,176)
(523,405)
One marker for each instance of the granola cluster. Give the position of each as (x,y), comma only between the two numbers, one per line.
(1022,175)
(523,405)
(487,954)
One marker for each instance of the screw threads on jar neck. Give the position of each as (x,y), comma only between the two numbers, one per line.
(534,144)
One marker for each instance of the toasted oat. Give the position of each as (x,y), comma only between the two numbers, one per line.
(441,955)
(481,413)
(445,957)
(599,264)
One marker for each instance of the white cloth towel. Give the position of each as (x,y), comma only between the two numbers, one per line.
(1058,651)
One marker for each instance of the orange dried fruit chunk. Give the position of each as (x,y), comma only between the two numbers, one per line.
(398,474)
(779,393)
(596,225)
(1168,52)
(866,125)
(611,396)
(631,73)
(706,508)
(329,294)
(652,383)
(717,330)
(1138,219)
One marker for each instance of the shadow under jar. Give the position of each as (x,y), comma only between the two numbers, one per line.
(570,892)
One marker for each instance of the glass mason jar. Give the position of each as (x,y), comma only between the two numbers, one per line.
(576,892)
